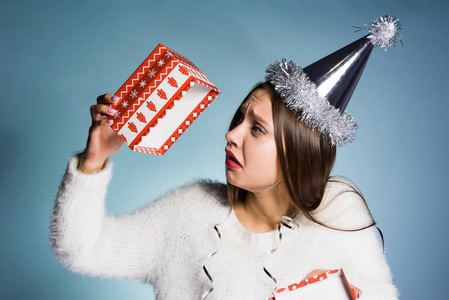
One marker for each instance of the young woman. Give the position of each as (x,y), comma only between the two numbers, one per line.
(277,169)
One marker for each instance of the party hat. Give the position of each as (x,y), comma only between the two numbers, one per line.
(320,92)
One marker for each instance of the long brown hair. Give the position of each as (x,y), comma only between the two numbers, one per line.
(305,158)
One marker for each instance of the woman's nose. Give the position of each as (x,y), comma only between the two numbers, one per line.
(234,136)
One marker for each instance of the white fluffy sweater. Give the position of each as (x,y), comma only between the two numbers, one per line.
(167,242)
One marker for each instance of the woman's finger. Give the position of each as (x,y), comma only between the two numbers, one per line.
(98,111)
(355,291)
(107,99)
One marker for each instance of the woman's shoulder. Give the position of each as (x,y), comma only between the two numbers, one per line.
(343,205)
(338,184)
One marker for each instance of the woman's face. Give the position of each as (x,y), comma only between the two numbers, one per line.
(251,156)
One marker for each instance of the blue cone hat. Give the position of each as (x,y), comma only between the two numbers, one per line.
(319,93)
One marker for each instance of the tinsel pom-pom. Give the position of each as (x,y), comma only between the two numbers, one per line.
(384,31)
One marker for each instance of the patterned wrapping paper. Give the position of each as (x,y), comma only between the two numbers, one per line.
(331,285)
(160,100)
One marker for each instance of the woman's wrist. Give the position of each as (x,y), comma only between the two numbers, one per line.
(89,165)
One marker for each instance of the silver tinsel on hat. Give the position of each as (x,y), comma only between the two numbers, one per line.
(300,94)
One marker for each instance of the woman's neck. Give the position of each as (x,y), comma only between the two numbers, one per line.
(262,212)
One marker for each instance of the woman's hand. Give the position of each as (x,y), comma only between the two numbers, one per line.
(102,141)
(356,292)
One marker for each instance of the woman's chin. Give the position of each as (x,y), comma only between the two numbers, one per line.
(231,178)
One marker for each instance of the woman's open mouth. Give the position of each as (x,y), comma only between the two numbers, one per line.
(231,161)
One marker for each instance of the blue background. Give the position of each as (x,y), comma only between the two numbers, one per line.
(58,56)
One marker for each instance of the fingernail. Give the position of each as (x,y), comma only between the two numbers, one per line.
(114,98)
(111,110)
(109,121)
(359,294)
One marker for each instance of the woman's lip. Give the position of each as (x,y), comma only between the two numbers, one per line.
(232,155)
(231,160)
(232,164)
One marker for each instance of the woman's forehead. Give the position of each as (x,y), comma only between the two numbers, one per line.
(258,97)
(258,105)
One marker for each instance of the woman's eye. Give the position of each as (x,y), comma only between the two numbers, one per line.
(257,129)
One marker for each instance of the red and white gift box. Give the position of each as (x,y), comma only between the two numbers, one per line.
(331,285)
(160,100)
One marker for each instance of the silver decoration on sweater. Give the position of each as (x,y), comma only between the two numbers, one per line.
(205,269)
(290,224)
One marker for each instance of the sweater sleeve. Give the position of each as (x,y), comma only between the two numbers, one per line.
(88,241)
(361,252)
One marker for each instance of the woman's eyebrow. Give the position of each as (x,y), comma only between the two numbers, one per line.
(246,109)
(258,118)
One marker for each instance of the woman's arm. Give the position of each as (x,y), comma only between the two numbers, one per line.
(88,241)
(83,237)
(139,245)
